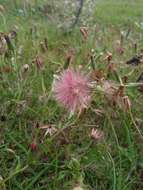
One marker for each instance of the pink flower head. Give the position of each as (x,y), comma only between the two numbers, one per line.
(97,134)
(72,89)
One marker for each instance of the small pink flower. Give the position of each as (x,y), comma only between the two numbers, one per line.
(72,89)
(33,145)
(97,134)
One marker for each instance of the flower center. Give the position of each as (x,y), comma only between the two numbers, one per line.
(76,91)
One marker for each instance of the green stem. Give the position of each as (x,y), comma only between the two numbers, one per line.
(4,20)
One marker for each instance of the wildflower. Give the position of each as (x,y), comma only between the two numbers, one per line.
(72,89)
(39,62)
(109,89)
(126,103)
(33,145)
(49,129)
(84,32)
(108,57)
(25,68)
(116,96)
(97,134)
(98,75)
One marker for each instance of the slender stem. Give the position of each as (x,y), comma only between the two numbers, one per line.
(78,14)
(4,20)
(15,173)
(133,121)
(134,84)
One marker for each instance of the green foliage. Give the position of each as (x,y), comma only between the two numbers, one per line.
(70,157)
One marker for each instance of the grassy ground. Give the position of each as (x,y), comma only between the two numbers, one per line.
(31,160)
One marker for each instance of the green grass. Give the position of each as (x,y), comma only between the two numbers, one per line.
(118,13)
(70,156)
